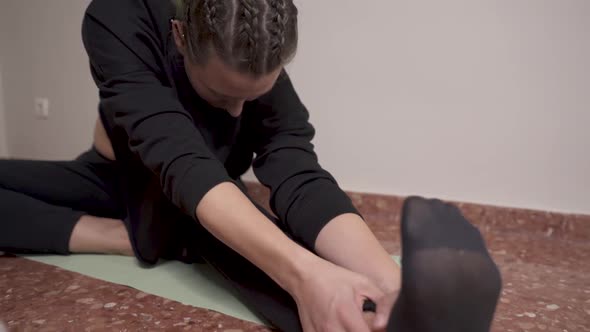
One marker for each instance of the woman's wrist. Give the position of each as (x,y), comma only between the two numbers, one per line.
(247,231)
(389,280)
(301,267)
(347,241)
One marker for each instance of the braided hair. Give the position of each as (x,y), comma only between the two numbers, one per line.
(253,36)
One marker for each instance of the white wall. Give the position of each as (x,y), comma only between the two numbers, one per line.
(3,41)
(482,101)
(44,57)
(3,143)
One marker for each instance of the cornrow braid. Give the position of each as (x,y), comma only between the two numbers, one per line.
(210,9)
(252,36)
(248,33)
(188,20)
(277,27)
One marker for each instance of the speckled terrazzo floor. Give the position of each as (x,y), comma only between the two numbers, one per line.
(544,259)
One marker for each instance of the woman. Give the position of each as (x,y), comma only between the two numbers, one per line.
(189,93)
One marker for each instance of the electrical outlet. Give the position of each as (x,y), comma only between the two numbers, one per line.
(41,108)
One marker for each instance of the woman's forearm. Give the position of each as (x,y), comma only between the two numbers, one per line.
(230,216)
(347,241)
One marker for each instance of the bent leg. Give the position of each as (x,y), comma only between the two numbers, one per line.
(42,202)
(29,224)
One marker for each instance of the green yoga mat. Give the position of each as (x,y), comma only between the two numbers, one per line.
(198,285)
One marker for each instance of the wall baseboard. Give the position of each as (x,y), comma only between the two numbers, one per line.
(383,211)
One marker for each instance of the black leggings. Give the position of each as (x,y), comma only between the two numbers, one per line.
(41,201)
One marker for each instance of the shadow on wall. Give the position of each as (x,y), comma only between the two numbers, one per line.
(3,135)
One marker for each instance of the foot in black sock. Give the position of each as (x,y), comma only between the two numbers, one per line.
(449,281)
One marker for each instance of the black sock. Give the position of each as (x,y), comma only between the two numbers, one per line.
(449,281)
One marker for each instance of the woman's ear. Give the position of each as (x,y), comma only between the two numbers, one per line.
(178,29)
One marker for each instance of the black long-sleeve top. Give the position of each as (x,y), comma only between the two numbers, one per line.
(170,142)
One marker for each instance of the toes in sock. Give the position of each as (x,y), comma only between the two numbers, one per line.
(449,281)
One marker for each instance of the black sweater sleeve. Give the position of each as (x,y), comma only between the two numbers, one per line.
(303,195)
(137,97)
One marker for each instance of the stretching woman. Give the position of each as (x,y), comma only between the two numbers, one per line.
(192,93)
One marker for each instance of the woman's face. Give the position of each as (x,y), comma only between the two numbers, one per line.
(217,83)
(224,88)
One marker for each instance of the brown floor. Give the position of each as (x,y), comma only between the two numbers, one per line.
(543,258)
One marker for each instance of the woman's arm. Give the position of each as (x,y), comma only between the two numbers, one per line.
(305,196)
(139,105)
(328,296)
(348,242)
(230,216)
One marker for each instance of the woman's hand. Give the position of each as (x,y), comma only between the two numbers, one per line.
(378,320)
(384,307)
(330,298)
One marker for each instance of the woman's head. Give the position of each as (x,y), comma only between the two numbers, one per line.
(234,50)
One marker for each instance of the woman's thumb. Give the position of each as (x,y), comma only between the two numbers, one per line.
(384,306)
(381,319)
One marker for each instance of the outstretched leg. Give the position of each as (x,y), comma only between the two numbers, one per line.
(449,281)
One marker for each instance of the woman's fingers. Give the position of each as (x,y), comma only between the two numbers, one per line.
(306,324)
(357,320)
(384,306)
(369,318)
(371,291)
(353,321)
(332,301)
